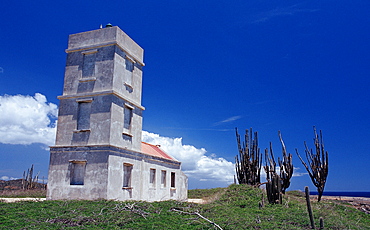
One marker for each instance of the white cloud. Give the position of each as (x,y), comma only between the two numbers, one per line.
(7,178)
(195,163)
(228,120)
(296,173)
(27,119)
(281,11)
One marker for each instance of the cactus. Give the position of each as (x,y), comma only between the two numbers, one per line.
(286,166)
(274,182)
(27,181)
(248,163)
(309,207)
(321,223)
(277,184)
(318,162)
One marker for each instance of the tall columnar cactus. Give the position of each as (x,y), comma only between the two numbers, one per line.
(318,163)
(248,163)
(277,183)
(274,182)
(286,166)
(309,209)
(27,181)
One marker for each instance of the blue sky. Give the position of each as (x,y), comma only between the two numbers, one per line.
(211,66)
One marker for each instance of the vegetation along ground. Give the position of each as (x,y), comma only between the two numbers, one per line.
(235,207)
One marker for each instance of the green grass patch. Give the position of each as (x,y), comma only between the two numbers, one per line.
(205,193)
(236,207)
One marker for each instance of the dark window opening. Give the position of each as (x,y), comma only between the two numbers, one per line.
(152,178)
(163,178)
(88,68)
(83,116)
(127,119)
(77,173)
(173,179)
(127,171)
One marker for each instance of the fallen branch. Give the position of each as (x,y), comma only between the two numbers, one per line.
(197,214)
(132,208)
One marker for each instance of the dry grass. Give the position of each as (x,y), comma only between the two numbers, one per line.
(34,193)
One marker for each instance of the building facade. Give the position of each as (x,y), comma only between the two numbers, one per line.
(98,153)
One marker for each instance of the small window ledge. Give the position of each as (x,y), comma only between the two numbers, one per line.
(87,79)
(128,85)
(127,134)
(87,52)
(172,188)
(130,59)
(81,130)
(78,161)
(129,106)
(87,100)
(127,188)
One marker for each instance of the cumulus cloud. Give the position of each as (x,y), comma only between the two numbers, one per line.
(195,163)
(27,119)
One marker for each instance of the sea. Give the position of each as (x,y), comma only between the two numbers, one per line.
(350,194)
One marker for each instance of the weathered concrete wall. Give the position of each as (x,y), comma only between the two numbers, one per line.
(111,70)
(105,36)
(106,123)
(95,179)
(141,189)
(104,175)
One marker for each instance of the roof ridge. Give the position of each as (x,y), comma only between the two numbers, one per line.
(150,144)
(159,152)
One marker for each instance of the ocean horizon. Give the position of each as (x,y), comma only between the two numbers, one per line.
(350,194)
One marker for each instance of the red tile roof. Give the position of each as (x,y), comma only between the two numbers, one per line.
(154,150)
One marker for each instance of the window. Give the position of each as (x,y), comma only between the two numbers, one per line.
(152,178)
(127,170)
(173,179)
(83,115)
(130,67)
(163,178)
(88,67)
(77,172)
(127,116)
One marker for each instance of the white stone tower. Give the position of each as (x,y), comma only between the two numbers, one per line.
(98,152)
(102,65)
(100,108)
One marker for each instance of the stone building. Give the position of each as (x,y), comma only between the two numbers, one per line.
(98,151)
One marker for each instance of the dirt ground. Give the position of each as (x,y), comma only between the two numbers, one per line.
(360,203)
